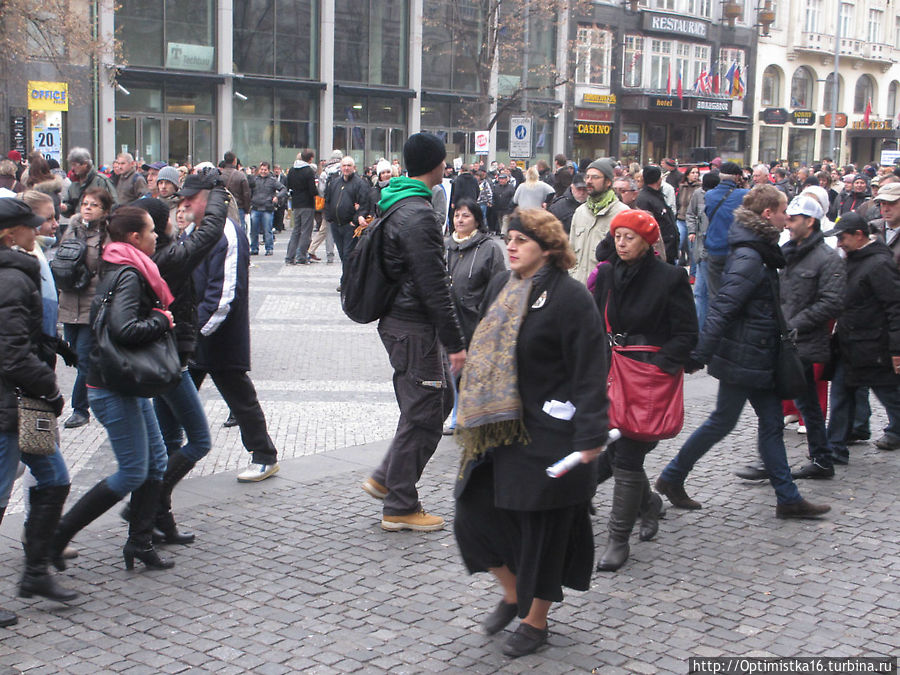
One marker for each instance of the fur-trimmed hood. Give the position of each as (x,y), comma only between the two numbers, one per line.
(753,222)
(54,185)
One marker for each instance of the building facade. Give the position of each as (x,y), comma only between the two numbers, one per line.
(802,117)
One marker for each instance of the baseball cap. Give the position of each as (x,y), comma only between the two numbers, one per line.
(578,180)
(888,193)
(730,169)
(15,212)
(849,222)
(155,165)
(196,182)
(805,205)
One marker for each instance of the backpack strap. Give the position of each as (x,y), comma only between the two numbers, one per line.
(727,194)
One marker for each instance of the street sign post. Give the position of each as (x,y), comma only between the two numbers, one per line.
(520,137)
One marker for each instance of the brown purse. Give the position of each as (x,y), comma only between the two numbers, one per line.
(37,426)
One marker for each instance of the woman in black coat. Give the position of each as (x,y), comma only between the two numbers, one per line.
(472,260)
(25,368)
(533,390)
(646,302)
(137,313)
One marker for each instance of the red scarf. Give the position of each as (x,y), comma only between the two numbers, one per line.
(120,253)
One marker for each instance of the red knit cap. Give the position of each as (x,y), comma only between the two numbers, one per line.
(640,221)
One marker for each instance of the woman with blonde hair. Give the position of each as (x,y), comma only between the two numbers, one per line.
(533,193)
(533,390)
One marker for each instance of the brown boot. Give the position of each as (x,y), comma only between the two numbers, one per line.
(675,493)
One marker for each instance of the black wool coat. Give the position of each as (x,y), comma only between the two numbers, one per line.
(21,313)
(559,358)
(654,305)
(869,327)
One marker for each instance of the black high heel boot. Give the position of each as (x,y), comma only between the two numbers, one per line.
(7,618)
(179,466)
(629,487)
(93,504)
(43,517)
(651,510)
(144,502)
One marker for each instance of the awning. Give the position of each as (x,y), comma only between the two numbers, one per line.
(366,90)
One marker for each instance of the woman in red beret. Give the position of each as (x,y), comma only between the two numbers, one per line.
(645,302)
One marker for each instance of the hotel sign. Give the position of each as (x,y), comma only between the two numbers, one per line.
(665,103)
(669,23)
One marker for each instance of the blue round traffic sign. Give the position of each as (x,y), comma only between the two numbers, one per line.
(521,132)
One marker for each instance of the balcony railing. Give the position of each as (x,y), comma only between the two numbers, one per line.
(816,42)
(877,51)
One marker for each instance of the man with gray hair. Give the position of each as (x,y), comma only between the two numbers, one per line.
(761,175)
(626,190)
(86,177)
(346,206)
(130,185)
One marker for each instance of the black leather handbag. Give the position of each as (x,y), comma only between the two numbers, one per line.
(790,377)
(145,370)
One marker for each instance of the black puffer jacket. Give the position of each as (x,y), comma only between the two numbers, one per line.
(650,303)
(869,328)
(21,312)
(741,335)
(341,197)
(654,203)
(564,208)
(131,317)
(414,252)
(177,260)
(812,292)
(472,264)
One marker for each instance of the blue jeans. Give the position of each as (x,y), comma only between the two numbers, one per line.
(843,411)
(808,405)
(243,216)
(48,470)
(180,409)
(729,404)
(81,338)
(454,385)
(701,293)
(261,221)
(135,438)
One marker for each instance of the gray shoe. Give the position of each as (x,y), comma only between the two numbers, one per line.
(888,443)
(76,420)
(257,472)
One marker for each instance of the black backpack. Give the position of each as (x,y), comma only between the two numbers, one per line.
(69,267)
(367,290)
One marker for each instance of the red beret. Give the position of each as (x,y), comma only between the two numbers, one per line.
(14,155)
(640,222)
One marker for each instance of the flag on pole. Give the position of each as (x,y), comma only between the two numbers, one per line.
(679,90)
(737,86)
(669,81)
(715,78)
(729,78)
(867,113)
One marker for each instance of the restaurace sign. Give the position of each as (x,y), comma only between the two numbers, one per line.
(667,23)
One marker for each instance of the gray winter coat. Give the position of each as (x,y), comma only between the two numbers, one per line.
(472,264)
(812,293)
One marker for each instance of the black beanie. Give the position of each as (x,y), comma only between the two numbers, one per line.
(651,174)
(158,210)
(422,152)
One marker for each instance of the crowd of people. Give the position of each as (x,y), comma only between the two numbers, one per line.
(659,270)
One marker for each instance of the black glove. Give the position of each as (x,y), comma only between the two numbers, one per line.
(58,403)
(217,202)
(692,365)
(65,350)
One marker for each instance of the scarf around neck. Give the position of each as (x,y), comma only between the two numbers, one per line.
(120,253)
(490,409)
(597,204)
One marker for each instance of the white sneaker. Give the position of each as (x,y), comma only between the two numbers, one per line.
(801,429)
(257,472)
(791,418)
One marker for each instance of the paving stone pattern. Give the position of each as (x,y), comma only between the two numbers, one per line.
(295,575)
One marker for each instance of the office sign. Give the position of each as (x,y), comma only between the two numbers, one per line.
(190,57)
(48,95)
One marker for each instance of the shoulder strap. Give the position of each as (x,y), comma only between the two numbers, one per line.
(712,215)
(782,323)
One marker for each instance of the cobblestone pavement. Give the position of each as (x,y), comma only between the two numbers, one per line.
(295,575)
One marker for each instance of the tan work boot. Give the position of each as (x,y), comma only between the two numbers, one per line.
(374,488)
(418,521)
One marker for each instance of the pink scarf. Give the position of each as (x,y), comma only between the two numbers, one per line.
(120,253)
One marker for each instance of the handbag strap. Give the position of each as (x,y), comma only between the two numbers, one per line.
(782,323)
(614,339)
(712,215)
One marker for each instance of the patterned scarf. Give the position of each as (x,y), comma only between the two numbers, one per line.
(597,204)
(490,410)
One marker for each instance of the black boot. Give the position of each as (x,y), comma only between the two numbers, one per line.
(7,618)
(627,493)
(179,466)
(93,504)
(144,502)
(43,517)
(650,512)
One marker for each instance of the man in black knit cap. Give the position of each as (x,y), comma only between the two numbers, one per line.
(419,332)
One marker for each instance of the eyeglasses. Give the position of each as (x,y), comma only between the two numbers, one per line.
(519,239)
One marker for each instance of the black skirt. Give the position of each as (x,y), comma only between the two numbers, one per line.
(546,550)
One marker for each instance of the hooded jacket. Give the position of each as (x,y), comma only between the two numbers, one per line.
(869,327)
(812,292)
(301,183)
(740,337)
(652,200)
(472,264)
(21,313)
(414,255)
(587,232)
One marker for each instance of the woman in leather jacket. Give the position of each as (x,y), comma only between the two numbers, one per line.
(137,313)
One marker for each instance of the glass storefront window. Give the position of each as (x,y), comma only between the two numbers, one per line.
(449,27)
(274,124)
(731,144)
(140,100)
(277,37)
(801,146)
(369,127)
(770,143)
(371,44)
(172,34)
(826,149)
(802,88)
(189,102)
(630,143)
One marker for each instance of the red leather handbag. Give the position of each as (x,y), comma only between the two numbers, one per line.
(645,402)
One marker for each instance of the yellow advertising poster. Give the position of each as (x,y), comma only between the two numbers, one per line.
(48,95)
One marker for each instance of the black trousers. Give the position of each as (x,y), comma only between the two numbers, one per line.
(239,393)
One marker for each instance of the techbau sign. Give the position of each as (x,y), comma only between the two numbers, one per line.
(48,95)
